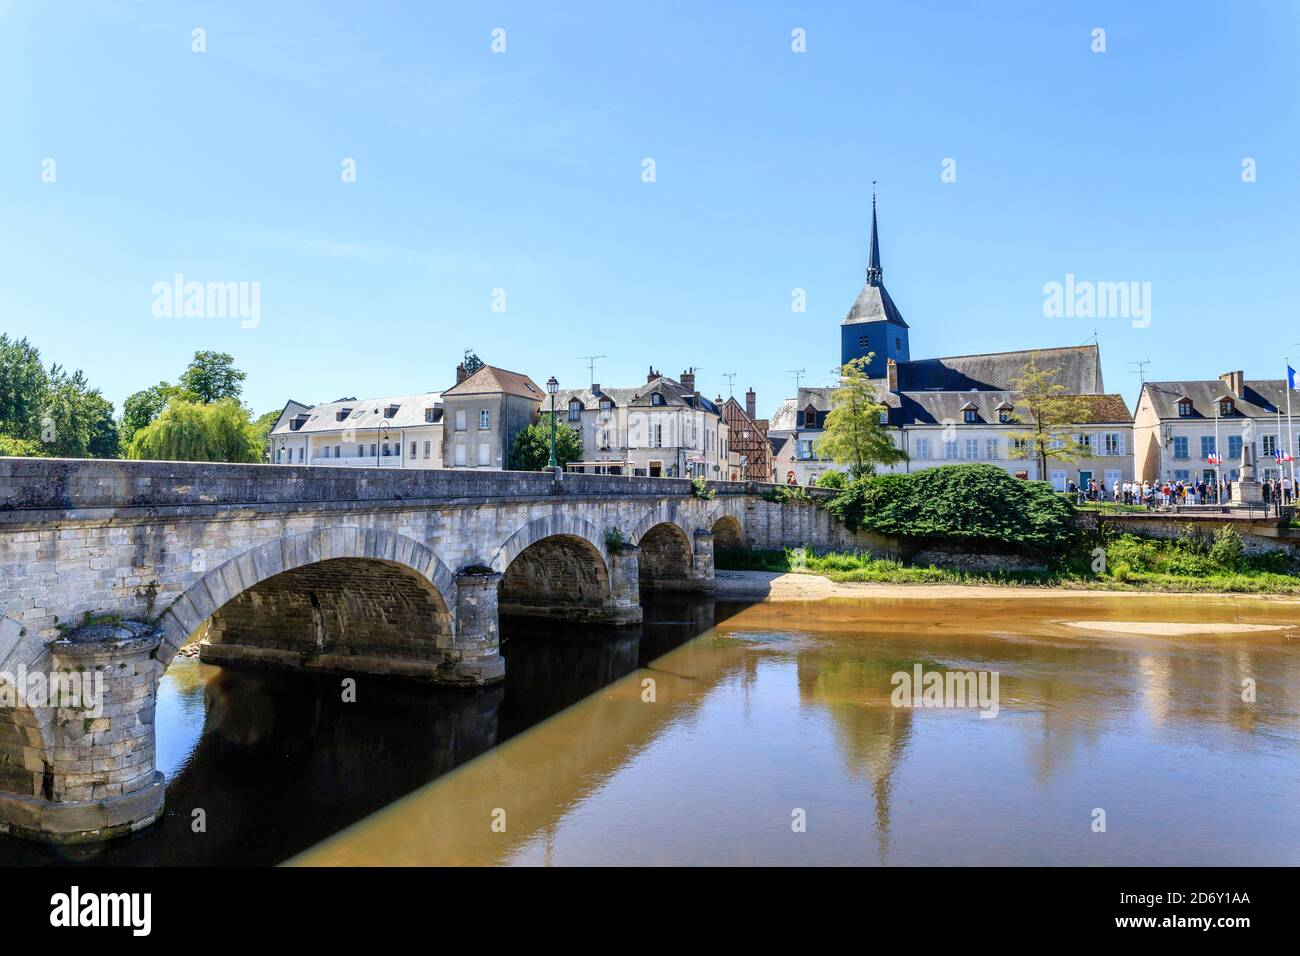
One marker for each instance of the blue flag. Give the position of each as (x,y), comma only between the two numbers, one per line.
(1290,377)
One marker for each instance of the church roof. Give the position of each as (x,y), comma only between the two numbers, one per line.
(1079,370)
(873,303)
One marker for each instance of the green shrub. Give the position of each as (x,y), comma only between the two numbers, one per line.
(973,503)
(700,489)
(1228,551)
(833,479)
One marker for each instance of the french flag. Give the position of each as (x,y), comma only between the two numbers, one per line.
(1215,458)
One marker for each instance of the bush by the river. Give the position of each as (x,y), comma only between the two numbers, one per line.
(976,504)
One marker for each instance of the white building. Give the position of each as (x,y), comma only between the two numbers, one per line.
(662,429)
(1178,425)
(402,431)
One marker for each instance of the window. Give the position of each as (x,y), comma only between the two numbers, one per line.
(1270,445)
(460,420)
(606,406)
(968,416)
(412,449)
(1184,408)
(484,420)
(803,449)
(810,418)
(1207,447)
(575,410)
(950,450)
(460,455)
(923,448)
(1113,443)
(391,411)
(1020,446)
(388,452)
(884,416)
(992,449)
(972,449)
(1234,448)
(898,343)
(302,453)
(361,451)
(1180,447)
(1225,407)
(656,436)
(1004,416)
(864,342)
(1086,441)
(484,450)
(429,414)
(342,413)
(374,450)
(656,399)
(428,449)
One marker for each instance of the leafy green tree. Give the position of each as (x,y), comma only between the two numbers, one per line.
(142,407)
(262,429)
(212,376)
(854,435)
(24,389)
(76,421)
(193,431)
(531,449)
(1052,411)
(472,362)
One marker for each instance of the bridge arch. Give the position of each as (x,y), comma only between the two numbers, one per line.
(557,566)
(25,732)
(377,574)
(726,521)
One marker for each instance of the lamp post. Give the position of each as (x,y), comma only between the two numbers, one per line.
(553,386)
(381,438)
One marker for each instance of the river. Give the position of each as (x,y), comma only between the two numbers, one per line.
(732,733)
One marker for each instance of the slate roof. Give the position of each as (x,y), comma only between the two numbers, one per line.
(490,380)
(1080,370)
(365,413)
(675,395)
(1261,398)
(873,303)
(936,408)
(783,419)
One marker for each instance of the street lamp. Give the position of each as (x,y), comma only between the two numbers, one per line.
(553,386)
(381,438)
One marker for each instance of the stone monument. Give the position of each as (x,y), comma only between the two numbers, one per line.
(1246,490)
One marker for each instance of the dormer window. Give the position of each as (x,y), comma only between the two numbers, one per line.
(575,410)
(810,418)
(606,406)
(656,399)
(430,414)
(1184,408)
(342,413)
(1004,416)
(1226,407)
(884,418)
(391,411)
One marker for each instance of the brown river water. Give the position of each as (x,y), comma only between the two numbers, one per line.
(771,739)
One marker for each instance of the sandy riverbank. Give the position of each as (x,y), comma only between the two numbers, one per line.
(813,587)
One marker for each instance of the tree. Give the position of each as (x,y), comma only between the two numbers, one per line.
(76,421)
(854,435)
(262,430)
(212,376)
(142,407)
(531,449)
(193,431)
(1052,410)
(24,389)
(472,362)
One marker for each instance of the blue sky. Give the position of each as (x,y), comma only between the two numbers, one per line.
(522,171)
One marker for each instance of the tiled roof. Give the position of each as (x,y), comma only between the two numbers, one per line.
(490,380)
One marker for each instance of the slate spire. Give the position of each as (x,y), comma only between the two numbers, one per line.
(874,275)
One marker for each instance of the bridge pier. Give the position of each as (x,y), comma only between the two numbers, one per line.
(473,656)
(95,777)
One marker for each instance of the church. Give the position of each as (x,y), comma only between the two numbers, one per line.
(955,409)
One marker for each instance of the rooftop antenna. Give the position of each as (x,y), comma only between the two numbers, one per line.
(730,377)
(798,373)
(1091,338)
(1141,370)
(591,365)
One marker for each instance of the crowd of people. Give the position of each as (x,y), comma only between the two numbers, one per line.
(1156,494)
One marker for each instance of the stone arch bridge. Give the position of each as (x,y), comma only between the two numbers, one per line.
(401,574)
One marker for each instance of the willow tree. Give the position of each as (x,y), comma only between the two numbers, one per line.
(854,434)
(1053,411)
(194,431)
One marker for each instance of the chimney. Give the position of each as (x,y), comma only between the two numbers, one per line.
(688,380)
(751,404)
(891,374)
(651,375)
(1236,382)
(461,374)
(595,388)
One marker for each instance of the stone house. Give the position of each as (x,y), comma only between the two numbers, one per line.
(483,412)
